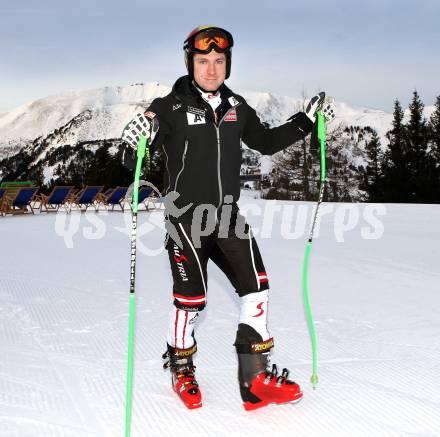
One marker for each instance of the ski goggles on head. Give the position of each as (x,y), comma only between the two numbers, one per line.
(204,40)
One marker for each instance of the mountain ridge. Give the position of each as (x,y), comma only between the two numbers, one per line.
(114,106)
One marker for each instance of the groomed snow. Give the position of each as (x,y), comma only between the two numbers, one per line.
(64,318)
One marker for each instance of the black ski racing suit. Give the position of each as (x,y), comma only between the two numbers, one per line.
(203,158)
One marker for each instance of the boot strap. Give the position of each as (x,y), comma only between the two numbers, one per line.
(255,348)
(175,357)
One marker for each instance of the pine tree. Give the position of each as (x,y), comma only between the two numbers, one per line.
(434,152)
(434,126)
(395,163)
(416,137)
(373,173)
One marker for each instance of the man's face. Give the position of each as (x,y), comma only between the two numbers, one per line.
(210,70)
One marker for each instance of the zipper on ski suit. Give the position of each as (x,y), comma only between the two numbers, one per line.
(183,165)
(217,128)
(168,170)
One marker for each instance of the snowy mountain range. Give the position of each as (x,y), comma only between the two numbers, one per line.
(110,108)
(92,116)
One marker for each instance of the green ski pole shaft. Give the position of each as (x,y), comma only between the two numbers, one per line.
(141,149)
(321,137)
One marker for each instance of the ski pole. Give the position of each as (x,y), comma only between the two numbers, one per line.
(321,137)
(142,150)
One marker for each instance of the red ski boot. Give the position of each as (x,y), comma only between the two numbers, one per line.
(258,385)
(269,388)
(186,386)
(183,379)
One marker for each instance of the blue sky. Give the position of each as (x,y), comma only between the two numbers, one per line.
(363,53)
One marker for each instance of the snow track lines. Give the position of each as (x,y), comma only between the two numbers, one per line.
(63,336)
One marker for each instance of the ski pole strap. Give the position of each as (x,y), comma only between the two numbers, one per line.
(321,137)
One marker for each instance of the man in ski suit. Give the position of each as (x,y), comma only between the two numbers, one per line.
(200,126)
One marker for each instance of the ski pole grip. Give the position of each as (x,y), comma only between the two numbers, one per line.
(142,145)
(321,137)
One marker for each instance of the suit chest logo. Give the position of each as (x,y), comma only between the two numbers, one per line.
(233,101)
(231,116)
(195,116)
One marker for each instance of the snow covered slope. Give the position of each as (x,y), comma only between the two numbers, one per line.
(63,327)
